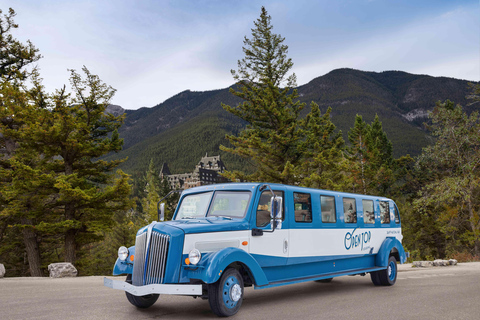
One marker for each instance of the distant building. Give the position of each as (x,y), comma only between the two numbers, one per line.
(207,171)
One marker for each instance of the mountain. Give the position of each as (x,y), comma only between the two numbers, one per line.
(114,109)
(186,126)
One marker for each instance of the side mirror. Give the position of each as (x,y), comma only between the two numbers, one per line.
(161,212)
(161,206)
(276,213)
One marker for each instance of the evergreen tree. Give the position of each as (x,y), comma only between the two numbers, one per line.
(380,146)
(372,166)
(14,55)
(151,198)
(170,202)
(272,132)
(452,194)
(381,156)
(17,197)
(474,97)
(98,256)
(323,163)
(276,141)
(54,182)
(359,155)
(78,132)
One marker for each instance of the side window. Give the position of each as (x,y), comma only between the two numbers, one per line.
(349,210)
(397,215)
(328,209)
(264,205)
(303,207)
(384,212)
(368,213)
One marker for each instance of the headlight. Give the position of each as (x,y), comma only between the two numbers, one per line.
(194,256)
(122,253)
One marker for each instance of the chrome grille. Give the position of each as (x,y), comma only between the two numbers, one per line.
(149,263)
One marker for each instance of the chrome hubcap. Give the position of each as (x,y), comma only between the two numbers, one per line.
(235,292)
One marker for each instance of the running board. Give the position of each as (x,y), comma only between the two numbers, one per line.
(319,277)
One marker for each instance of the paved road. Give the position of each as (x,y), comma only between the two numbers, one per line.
(430,293)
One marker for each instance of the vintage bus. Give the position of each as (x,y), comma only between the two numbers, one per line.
(226,237)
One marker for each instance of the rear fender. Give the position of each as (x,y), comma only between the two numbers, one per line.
(390,245)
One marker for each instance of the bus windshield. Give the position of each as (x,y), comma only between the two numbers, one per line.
(194,206)
(225,204)
(230,204)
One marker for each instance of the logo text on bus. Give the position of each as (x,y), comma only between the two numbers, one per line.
(354,240)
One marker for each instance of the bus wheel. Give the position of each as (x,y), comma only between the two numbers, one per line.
(225,296)
(386,277)
(143,301)
(375,278)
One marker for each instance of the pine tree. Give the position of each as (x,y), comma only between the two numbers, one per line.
(272,134)
(17,197)
(80,132)
(51,178)
(452,194)
(14,55)
(97,258)
(380,146)
(172,200)
(277,141)
(323,162)
(359,155)
(372,166)
(151,191)
(151,188)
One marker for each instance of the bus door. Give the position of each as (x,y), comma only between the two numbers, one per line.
(303,235)
(269,248)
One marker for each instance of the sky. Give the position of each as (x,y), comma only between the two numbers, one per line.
(151,50)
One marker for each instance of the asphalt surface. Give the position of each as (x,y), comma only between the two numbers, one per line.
(451,292)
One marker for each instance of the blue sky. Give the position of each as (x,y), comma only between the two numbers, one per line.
(152,50)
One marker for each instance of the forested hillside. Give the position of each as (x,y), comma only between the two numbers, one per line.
(186,126)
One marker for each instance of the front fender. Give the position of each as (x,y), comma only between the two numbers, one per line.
(387,246)
(124,267)
(214,264)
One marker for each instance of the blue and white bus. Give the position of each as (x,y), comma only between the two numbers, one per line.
(226,237)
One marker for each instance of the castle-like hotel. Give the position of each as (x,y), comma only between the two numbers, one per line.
(207,171)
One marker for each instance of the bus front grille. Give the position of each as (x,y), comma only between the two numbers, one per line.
(151,250)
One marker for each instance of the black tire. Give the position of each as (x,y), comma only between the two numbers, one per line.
(386,277)
(143,301)
(328,280)
(226,295)
(375,278)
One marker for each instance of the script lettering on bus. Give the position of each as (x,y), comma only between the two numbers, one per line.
(353,240)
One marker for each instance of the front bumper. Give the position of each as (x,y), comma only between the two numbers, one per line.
(177,289)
